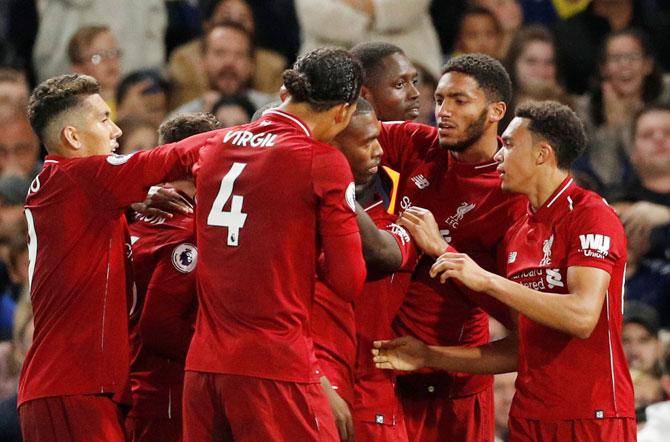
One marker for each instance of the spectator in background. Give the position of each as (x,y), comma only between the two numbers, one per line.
(227,57)
(138,134)
(509,14)
(657,427)
(639,336)
(479,32)
(139,27)
(503,393)
(186,71)
(644,208)
(14,87)
(648,391)
(94,51)
(142,94)
(19,147)
(629,79)
(345,23)
(390,84)
(426,86)
(233,111)
(579,37)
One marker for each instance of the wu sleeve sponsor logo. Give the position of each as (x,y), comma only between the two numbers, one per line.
(117,160)
(350,196)
(400,232)
(595,245)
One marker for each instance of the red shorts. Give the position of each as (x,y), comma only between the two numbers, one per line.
(88,418)
(440,418)
(582,430)
(227,407)
(372,432)
(151,429)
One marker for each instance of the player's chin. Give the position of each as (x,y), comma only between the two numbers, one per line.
(412,113)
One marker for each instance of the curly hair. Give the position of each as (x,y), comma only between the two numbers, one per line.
(371,55)
(186,125)
(559,126)
(57,95)
(324,78)
(489,73)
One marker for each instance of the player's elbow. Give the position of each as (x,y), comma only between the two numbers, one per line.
(382,261)
(583,327)
(350,285)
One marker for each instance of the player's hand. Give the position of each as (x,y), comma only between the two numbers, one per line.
(405,353)
(421,224)
(461,267)
(343,420)
(163,202)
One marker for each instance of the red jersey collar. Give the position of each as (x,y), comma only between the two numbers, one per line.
(475,169)
(290,118)
(556,202)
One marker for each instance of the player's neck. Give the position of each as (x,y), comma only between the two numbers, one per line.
(319,123)
(481,150)
(543,185)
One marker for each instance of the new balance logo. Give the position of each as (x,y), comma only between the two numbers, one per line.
(420,181)
(595,244)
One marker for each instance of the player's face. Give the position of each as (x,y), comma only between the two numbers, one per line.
(516,156)
(651,154)
(536,65)
(358,142)
(642,349)
(394,95)
(96,131)
(227,61)
(461,111)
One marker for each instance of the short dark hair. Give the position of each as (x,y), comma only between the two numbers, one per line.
(558,125)
(651,107)
(235,100)
(229,24)
(56,95)
(489,73)
(158,83)
(371,55)
(324,77)
(186,125)
(83,39)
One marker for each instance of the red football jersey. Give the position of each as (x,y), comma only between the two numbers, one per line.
(79,259)
(162,315)
(473,215)
(375,396)
(266,192)
(561,376)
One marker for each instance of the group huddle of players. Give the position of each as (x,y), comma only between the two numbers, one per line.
(319,235)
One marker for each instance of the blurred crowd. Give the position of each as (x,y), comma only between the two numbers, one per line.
(607,59)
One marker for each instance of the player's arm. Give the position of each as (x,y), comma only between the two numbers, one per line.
(343,268)
(576,312)
(380,249)
(164,324)
(421,224)
(343,420)
(408,354)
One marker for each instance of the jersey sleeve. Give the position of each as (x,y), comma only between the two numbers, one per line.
(407,248)
(335,190)
(120,180)
(596,238)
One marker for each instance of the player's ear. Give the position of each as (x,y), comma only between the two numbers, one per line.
(497,111)
(344,112)
(544,152)
(365,93)
(69,138)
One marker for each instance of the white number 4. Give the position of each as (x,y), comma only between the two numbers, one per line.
(235,218)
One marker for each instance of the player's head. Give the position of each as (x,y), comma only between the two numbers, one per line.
(390,81)
(470,99)
(542,134)
(186,125)
(328,81)
(358,142)
(70,117)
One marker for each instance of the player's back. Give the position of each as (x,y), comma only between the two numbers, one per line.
(259,193)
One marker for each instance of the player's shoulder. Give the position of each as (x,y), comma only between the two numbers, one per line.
(589,208)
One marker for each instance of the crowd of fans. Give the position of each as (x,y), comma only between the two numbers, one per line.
(604,58)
